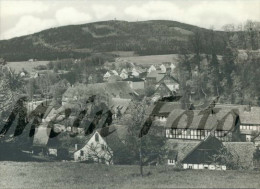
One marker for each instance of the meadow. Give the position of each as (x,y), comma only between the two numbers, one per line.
(151,59)
(27,65)
(97,176)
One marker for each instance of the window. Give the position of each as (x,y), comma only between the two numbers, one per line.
(102,146)
(81,153)
(96,137)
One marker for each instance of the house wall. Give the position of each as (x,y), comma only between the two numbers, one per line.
(138,85)
(204,166)
(194,134)
(95,151)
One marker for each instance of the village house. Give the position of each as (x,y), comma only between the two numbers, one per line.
(250,123)
(206,155)
(170,82)
(163,68)
(249,119)
(135,72)
(154,77)
(172,66)
(118,106)
(135,83)
(95,149)
(161,110)
(124,75)
(151,68)
(106,76)
(163,90)
(198,124)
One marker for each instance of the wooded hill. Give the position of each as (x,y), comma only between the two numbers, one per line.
(144,38)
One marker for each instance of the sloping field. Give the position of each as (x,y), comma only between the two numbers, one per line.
(76,175)
(149,60)
(28,66)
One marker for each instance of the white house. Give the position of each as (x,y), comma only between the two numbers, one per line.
(163,68)
(124,75)
(106,76)
(135,73)
(114,72)
(124,71)
(172,66)
(95,150)
(152,68)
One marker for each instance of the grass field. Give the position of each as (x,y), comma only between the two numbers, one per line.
(75,175)
(149,60)
(28,66)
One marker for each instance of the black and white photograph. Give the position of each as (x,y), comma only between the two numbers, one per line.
(129,94)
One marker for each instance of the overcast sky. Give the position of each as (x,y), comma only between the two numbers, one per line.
(22,17)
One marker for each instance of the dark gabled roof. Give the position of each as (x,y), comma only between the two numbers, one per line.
(163,85)
(134,79)
(203,152)
(168,76)
(143,74)
(41,109)
(119,104)
(172,154)
(182,147)
(158,75)
(219,119)
(248,115)
(164,108)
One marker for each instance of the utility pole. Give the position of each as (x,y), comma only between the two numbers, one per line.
(141,158)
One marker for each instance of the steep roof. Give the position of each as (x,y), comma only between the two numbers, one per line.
(248,115)
(163,85)
(164,108)
(158,75)
(183,148)
(169,77)
(134,79)
(203,152)
(221,119)
(119,103)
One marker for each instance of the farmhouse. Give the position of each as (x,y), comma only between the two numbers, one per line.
(249,120)
(95,149)
(197,125)
(170,82)
(135,83)
(161,110)
(152,68)
(119,106)
(124,75)
(154,77)
(206,155)
(163,68)
(250,123)
(110,73)
(172,66)
(163,90)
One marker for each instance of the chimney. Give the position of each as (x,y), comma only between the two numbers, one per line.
(76,146)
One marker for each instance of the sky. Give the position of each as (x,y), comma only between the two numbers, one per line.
(22,17)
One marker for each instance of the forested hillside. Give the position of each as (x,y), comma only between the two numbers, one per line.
(74,41)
